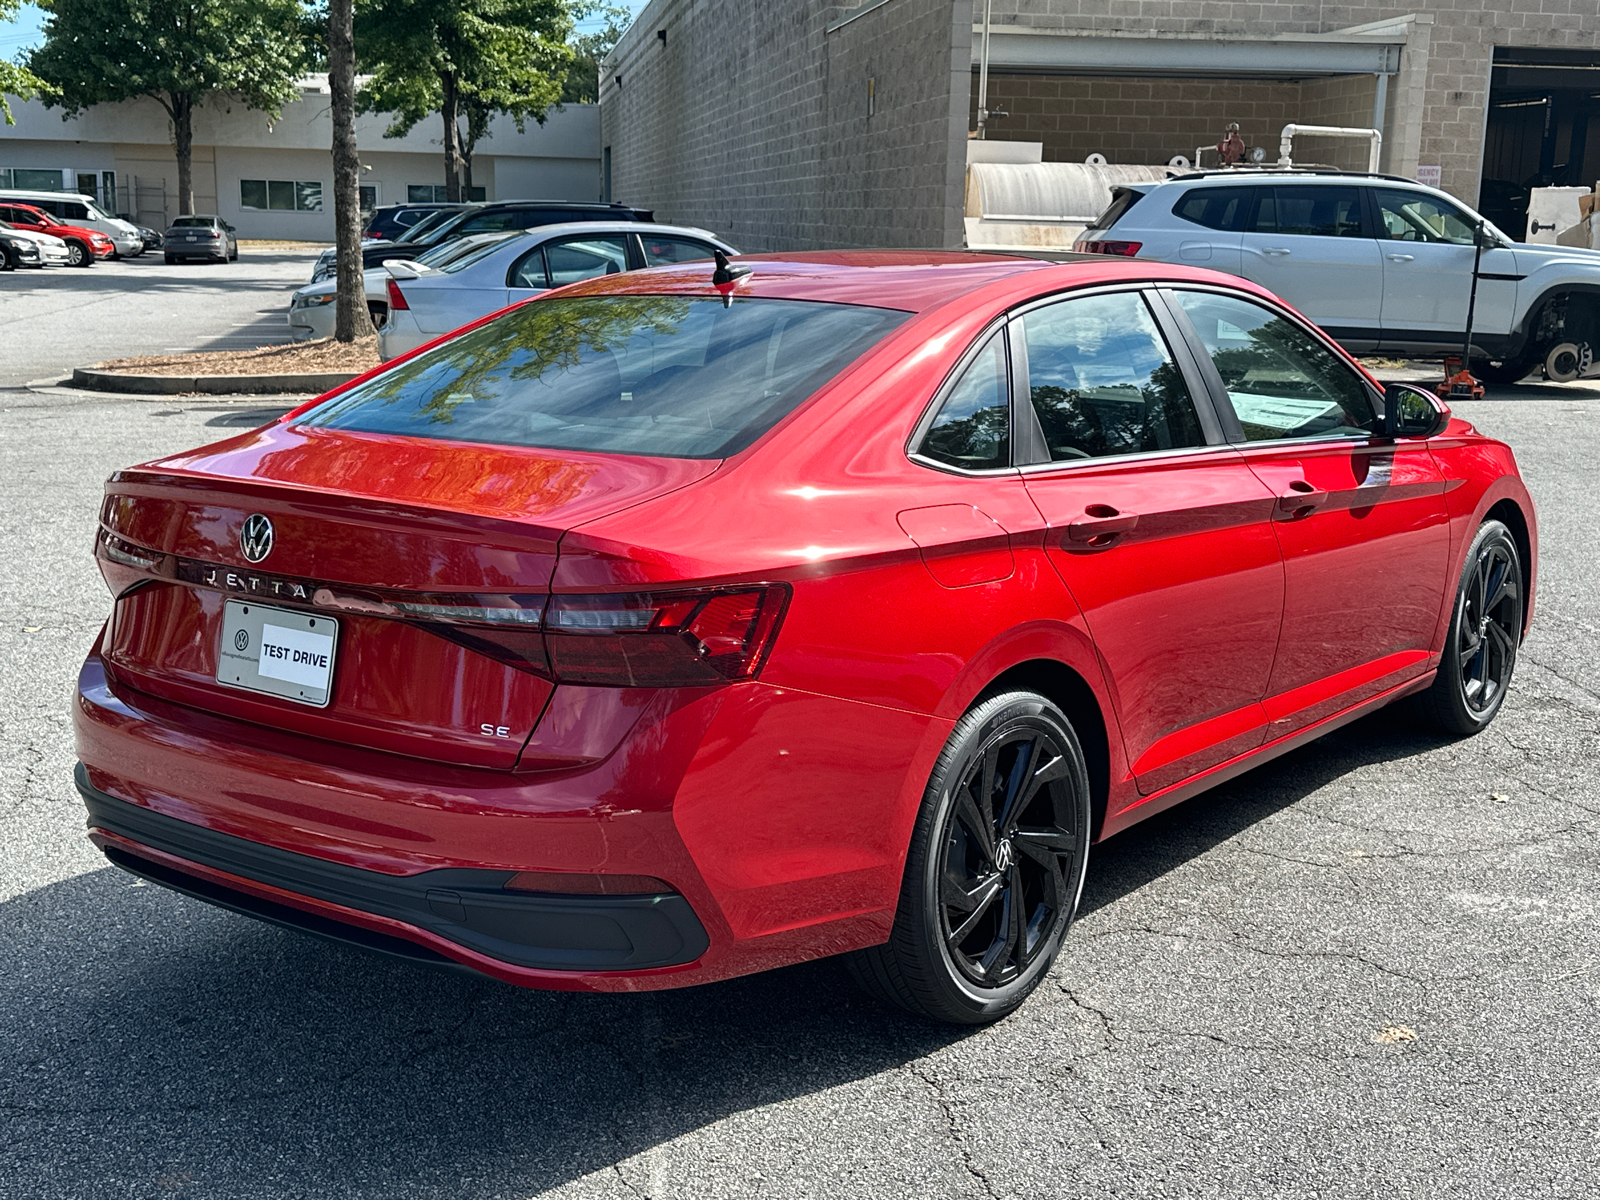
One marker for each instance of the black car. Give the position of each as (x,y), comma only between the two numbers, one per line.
(152,239)
(490,218)
(394,221)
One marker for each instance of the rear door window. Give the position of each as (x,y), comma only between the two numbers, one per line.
(1103,381)
(665,376)
(572,259)
(972,428)
(1214,207)
(1311,210)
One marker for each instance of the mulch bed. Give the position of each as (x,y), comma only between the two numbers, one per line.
(300,358)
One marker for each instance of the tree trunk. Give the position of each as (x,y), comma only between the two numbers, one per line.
(450,110)
(466,169)
(183,143)
(351,318)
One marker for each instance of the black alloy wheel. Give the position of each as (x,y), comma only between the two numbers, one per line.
(995,868)
(1485,630)
(78,255)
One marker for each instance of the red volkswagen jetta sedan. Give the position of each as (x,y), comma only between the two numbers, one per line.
(667,629)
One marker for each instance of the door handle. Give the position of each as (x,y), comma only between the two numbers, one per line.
(1275,250)
(1099,524)
(1401,257)
(1301,499)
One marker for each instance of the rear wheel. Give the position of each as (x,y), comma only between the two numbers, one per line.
(170,259)
(995,868)
(78,255)
(1480,651)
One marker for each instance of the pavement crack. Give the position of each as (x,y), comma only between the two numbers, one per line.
(953,1126)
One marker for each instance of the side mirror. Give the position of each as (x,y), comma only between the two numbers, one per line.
(1410,411)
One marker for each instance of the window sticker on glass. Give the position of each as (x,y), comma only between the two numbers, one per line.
(1277,416)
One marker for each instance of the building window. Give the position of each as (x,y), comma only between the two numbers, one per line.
(26,179)
(279,195)
(369,198)
(430,193)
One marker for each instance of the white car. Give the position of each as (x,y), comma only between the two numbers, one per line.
(52,251)
(1381,263)
(313,308)
(426,301)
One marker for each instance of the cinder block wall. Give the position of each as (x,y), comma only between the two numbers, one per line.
(1455,93)
(752,121)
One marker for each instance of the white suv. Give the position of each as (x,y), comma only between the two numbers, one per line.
(1381,263)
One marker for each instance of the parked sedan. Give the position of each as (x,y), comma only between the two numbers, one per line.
(84,246)
(26,248)
(312,310)
(204,236)
(689,622)
(426,300)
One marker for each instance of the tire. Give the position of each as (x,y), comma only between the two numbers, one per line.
(78,255)
(171,259)
(980,919)
(1480,652)
(1512,370)
(8,260)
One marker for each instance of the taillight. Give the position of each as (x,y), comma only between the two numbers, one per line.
(397,302)
(678,639)
(1121,249)
(658,639)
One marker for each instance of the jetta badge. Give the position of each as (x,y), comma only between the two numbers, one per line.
(255,538)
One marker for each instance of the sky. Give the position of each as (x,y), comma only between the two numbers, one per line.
(27,31)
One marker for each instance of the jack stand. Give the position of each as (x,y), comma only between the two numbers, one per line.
(1459,383)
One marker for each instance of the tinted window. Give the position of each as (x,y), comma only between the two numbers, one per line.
(585,258)
(659,251)
(191,223)
(973,426)
(1310,211)
(74,212)
(1418,217)
(1214,207)
(670,376)
(1103,381)
(528,271)
(1122,199)
(492,222)
(1281,381)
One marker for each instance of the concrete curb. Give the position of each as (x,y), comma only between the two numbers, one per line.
(127,383)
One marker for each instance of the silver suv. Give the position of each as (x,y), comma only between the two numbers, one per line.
(1381,263)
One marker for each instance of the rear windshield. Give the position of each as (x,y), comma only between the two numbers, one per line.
(192,223)
(668,376)
(1122,199)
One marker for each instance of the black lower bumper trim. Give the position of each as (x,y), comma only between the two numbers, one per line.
(466,906)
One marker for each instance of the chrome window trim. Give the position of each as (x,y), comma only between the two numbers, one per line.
(919,431)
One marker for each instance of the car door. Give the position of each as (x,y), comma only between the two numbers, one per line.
(564,260)
(1208,232)
(1310,244)
(1427,248)
(1361,521)
(1161,532)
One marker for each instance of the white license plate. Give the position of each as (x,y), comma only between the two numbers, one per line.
(278,651)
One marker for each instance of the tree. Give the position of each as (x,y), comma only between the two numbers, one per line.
(180,53)
(590,49)
(462,59)
(351,318)
(14,80)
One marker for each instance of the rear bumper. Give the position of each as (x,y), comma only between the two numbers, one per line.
(453,914)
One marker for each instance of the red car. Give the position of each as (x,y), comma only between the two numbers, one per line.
(83,245)
(685,624)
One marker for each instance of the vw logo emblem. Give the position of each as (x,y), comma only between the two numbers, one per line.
(1003,856)
(241,640)
(255,538)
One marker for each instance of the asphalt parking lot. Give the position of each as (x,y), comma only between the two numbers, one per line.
(1369,969)
(59,318)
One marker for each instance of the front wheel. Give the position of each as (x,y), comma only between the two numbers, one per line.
(8,258)
(78,255)
(1480,651)
(995,867)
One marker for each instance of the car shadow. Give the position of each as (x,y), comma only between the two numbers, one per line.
(150,1044)
(1164,842)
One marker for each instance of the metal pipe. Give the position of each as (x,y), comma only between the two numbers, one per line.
(983,72)
(1287,136)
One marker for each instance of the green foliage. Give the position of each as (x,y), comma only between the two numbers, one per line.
(496,56)
(14,80)
(175,51)
(590,49)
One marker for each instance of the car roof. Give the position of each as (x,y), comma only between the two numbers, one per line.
(31,194)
